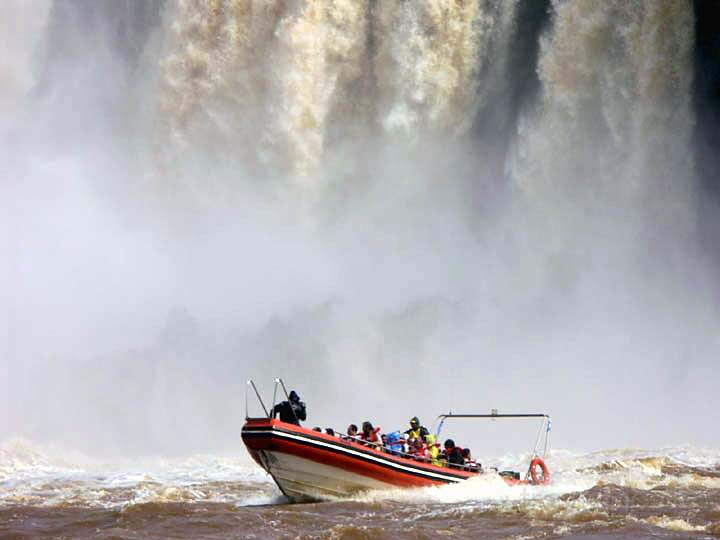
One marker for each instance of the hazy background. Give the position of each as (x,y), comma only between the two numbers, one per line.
(399,207)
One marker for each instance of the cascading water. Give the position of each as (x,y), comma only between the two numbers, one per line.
(615,114)
(305,71)
(238,65)
(214,82)
(436,60)
(280,83)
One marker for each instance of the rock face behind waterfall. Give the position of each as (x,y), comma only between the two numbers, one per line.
(706,101)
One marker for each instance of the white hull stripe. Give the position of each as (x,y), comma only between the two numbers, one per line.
(366,456)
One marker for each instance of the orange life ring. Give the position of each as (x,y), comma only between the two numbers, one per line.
(545,479)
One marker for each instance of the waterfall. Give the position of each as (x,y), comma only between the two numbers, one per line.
(280,86)
(262,77)
(280,78)
(614,120)
(437,60)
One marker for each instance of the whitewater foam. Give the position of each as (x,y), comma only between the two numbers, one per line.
(670,523)
(29,475)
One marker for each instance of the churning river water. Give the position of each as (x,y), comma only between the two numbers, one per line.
(628,493)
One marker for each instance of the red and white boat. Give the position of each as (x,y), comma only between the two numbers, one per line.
(309,465)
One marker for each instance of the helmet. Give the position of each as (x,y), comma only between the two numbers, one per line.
(293,396)
(449,443)
(414,421)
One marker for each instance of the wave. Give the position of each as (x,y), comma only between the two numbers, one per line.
(619,488)
(673,524)
(31,474)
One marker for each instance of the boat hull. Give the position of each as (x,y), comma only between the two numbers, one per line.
(307,465)
(302,479)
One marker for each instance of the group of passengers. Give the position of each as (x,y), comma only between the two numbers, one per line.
(416,442)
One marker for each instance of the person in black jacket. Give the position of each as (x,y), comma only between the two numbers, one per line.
(291,411)
(453,454)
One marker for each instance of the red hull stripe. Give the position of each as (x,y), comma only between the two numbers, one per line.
(253,435)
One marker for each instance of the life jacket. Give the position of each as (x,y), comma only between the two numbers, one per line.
(417,447)
(417,433)
(372,437)
(433,450)
(419,451)
(434,455)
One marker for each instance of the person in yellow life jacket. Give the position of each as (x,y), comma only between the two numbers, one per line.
(416,430)
(433,450)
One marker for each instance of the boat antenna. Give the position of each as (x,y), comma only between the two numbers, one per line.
(251,383)
(288,398)
(274,401)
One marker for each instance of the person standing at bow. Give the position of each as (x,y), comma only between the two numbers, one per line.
(291,411)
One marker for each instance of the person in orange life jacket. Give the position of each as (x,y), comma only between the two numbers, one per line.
(370,433)
(417,448)
(291,411)
(453,454)
(412,446)
(424,452)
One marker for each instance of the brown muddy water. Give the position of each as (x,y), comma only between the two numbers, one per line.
(670,493)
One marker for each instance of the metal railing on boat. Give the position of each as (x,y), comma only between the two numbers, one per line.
(544,429)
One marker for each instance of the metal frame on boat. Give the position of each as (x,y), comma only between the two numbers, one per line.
(310,465)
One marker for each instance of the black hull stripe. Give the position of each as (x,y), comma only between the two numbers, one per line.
(355,453)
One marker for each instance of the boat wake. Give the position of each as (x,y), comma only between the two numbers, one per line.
(676,490)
